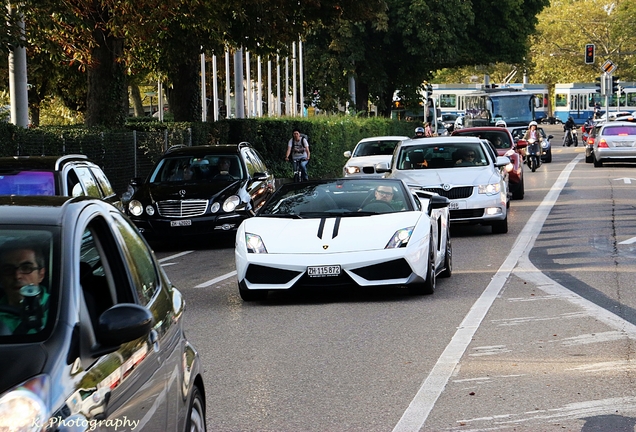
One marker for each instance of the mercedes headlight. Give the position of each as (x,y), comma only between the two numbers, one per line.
(254,244)
(215,207)
(135,208)
(400,238)
(489,189)
(230,204)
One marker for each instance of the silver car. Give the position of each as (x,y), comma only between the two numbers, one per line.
(464,169)
(615,142)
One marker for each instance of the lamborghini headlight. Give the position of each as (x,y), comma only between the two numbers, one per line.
(400,238)
(490,189)
(230,204)
(254,244)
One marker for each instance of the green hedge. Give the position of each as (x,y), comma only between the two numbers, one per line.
(329,137)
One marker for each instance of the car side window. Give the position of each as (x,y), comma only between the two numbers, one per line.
(258,161)
(139,261)
(251,167)
(88,182)
(103,182)
(73,185)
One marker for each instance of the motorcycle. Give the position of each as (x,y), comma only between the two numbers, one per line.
(533,154)
(570,137)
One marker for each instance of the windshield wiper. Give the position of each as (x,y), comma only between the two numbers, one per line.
(281,215)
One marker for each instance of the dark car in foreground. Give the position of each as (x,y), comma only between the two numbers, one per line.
(70,175)
(96,338)
(200,190)
(505,145)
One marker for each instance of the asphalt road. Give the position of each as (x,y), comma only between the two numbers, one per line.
(533,332)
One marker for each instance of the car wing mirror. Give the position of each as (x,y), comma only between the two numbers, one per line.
(550,137)
(122,323)
(347,154)
(502,161)
(382,167)
(259,176)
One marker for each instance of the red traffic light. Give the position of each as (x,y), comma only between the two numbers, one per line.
(589,53)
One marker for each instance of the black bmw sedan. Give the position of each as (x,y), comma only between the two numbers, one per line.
(91,329)
(199,190)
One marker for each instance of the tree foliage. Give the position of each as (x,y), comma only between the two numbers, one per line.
(410,40)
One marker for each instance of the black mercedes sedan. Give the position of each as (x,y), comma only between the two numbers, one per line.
(91,329)
(199,190)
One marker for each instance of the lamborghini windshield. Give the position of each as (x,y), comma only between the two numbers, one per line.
(342,197)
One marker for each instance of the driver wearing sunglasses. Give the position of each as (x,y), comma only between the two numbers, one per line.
(467,158)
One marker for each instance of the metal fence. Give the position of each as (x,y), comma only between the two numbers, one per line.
(122,155)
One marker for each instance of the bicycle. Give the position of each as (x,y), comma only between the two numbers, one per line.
(298,173)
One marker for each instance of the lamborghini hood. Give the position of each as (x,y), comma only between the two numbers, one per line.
(330,234)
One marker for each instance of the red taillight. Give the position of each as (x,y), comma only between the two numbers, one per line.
(602,143)
(590,140)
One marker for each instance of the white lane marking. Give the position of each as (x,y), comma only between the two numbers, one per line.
(626,180)
(628,241)
(420,407)
(592,338)
(216,280)
(171,257)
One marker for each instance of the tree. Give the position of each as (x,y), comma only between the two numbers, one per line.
(567,26)
(403,46)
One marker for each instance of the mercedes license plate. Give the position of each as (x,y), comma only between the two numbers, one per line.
(323,271)
(624,144)
(178,223)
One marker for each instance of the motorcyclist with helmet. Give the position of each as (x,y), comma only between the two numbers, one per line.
(570,136)
(533,138)
(419,132)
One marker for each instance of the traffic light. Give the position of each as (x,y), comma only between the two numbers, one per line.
(589,53)
(615,84)
(599,85)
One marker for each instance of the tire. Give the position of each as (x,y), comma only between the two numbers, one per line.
(428,286)
(195,421)
(533,163)
(589,159)
(548,156)
(519,191)
(500,227)
(448,258)
(597,163)
(249,295)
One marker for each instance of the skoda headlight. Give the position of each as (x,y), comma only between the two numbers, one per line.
(352,169)
(24,407)
(230,204)
(400,238)
(254,244)
(135,208)
(490,189)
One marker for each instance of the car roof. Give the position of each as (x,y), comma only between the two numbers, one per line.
(453,139)
(481,128)
(41,210)
(384,138)
(49,163)
(182,150)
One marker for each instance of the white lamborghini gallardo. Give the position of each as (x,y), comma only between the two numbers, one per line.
(344,232)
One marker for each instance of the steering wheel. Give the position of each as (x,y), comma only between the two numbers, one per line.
(378,206)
